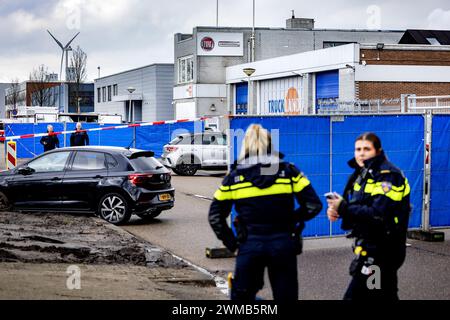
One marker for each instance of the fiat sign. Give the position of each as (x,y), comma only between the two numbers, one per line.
(207,44)
(220,44)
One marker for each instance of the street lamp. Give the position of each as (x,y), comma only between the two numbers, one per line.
(130,90)
(79,100)
(249,72)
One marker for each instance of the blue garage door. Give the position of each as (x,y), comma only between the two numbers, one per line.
(241,98)
(327,88)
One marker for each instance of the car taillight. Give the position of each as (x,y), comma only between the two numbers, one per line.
(139,179)
(171,149)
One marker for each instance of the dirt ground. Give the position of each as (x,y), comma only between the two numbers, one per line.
(63,256)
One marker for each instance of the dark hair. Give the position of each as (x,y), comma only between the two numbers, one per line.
(372,137)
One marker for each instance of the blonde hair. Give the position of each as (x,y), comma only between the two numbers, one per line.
(257,142)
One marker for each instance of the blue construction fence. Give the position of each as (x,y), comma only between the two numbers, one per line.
(146,137)
(440,172)
(322,145)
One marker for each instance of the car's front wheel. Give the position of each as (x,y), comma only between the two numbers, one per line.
(4,202)
(114,208)
(149,215)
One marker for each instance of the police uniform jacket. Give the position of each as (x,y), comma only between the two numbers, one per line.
(263,191)
(376,205)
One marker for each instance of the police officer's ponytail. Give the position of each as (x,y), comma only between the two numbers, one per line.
(372,137)
(257,142)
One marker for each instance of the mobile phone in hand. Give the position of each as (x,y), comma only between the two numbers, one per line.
(330,195)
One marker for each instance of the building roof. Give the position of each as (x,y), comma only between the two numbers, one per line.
(414,36)
(135,69)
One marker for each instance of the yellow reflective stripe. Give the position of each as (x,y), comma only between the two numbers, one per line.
(241,185)
(407,188)
(222,196)
(241,178)
(296,179)
(369,187)
(281,180)
(301,184)
(396,220)
(257,192)
(224,188)
(356,187)
(394,195)
(370,181)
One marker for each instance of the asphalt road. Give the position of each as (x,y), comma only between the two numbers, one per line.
(323,267)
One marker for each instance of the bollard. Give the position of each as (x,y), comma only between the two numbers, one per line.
(11,155)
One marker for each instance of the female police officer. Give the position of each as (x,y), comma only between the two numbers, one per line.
(262,187)
(375,207)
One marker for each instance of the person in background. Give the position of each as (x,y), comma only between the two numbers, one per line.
(79,138)
(50,141)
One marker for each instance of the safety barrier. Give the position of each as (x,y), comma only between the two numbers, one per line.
(322,145)
(151,136)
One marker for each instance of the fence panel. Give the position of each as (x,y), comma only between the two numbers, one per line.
(305,141)
(440,172)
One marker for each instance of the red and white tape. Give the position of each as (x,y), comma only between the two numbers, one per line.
(134,125)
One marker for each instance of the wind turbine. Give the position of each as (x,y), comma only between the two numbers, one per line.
(65,49)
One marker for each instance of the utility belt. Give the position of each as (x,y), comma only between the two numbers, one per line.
(365,257)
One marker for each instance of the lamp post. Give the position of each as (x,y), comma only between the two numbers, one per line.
(130,90)
(78,101)
(249,72)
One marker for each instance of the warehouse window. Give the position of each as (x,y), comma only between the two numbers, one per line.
(185,69)
(109,93)
(104,94)
(115,90)
(99,95)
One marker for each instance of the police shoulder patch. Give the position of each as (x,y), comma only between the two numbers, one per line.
(386,186)
(385,171)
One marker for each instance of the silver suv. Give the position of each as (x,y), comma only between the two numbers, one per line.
(188,153)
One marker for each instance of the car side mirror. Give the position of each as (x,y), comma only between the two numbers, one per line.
(26,171)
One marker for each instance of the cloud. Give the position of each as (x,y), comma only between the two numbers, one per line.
(439,19)
(121,34)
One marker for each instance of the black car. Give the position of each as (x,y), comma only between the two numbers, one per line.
(111,182)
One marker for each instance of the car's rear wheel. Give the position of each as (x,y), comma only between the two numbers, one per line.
(114,208)
(149,215)
(187,166)
(4,202)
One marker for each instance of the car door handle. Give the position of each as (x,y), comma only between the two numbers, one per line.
(98,177)
(56,179)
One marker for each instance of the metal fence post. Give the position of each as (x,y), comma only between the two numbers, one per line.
(65,129)
(427,172)
(134,137)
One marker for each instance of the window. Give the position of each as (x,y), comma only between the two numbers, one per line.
(104,94)
(99,97)
(186,69)
(109,93)
(434,41)
(115,90)
(89,161)
(54,162)
(112,163)
(145,164)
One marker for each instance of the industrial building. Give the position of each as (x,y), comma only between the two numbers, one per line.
(147,89)
(371,77)
(202,57)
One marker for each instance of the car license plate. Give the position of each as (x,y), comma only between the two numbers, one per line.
(165,197)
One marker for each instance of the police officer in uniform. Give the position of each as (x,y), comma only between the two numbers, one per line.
(262,187)
(50,141)
(375,207)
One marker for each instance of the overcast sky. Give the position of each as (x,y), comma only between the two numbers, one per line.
(122,34)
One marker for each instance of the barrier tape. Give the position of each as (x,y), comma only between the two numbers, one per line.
(134,125)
